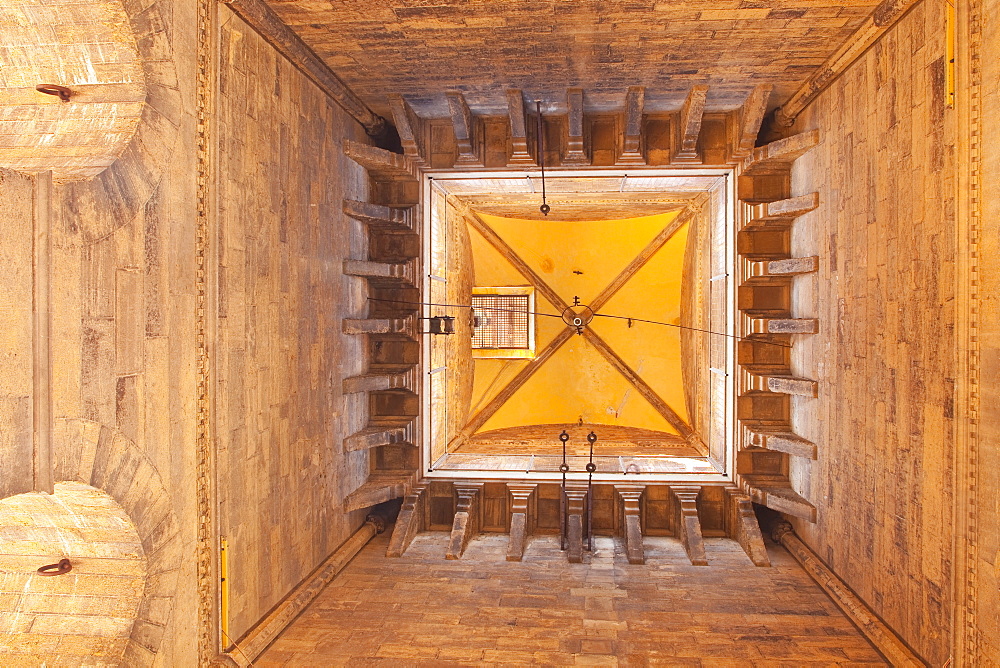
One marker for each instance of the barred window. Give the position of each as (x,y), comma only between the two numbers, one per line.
(502,321)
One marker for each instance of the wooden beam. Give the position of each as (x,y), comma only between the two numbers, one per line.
(520,524)
(632,148)
(640,260)
(409,127)
(575,155)
(527,371)
(631,527)
(519,155)
(690,124)
(262,18)
(644,389)
(687,524)
(466,523)
(464,124)
(884,17)
(744,528)
(511,256)
(409,522)
(576,505)
(751,116)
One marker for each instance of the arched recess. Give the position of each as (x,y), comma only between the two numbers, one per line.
(88,452)
(85,616)
(110,143)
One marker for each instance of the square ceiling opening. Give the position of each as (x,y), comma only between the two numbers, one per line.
(620,324)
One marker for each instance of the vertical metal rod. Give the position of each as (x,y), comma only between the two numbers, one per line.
(591,467)
(540,144)
(564,467)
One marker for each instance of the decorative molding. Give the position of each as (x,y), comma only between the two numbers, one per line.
(884,17)
(263,19)
(967,645)
(206,548)
(878,632)
(255,641)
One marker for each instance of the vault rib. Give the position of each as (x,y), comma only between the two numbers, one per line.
(511,256)
(644,256)
(648,393)
(484,414)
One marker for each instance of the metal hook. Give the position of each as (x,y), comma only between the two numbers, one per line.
(61,568)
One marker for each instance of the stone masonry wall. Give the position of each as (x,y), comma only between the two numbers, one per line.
(885,353)
(281,414)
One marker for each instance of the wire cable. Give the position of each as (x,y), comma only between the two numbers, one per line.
(596,315)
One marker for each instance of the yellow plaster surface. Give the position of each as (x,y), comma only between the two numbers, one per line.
(577,382)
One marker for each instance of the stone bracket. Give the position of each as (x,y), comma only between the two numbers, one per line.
(520,519)
(779,438)
(631,526)
(464,125)
(632,148)
(409,127)
(381,165)
(688,524)
(689,128)
(763,270)
(744,528)
(377,382)
(575,154)
(576,508)
(467,520)
(409,522)
(380,217)
(402,272)
(375,436)
(405,326)
(520,156)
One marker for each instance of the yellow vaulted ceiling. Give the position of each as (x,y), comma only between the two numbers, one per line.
(577,382)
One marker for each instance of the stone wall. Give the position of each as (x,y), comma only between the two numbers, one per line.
(281,413)
(885,353)
(16,292)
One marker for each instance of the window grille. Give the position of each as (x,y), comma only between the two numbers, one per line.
(502,321)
